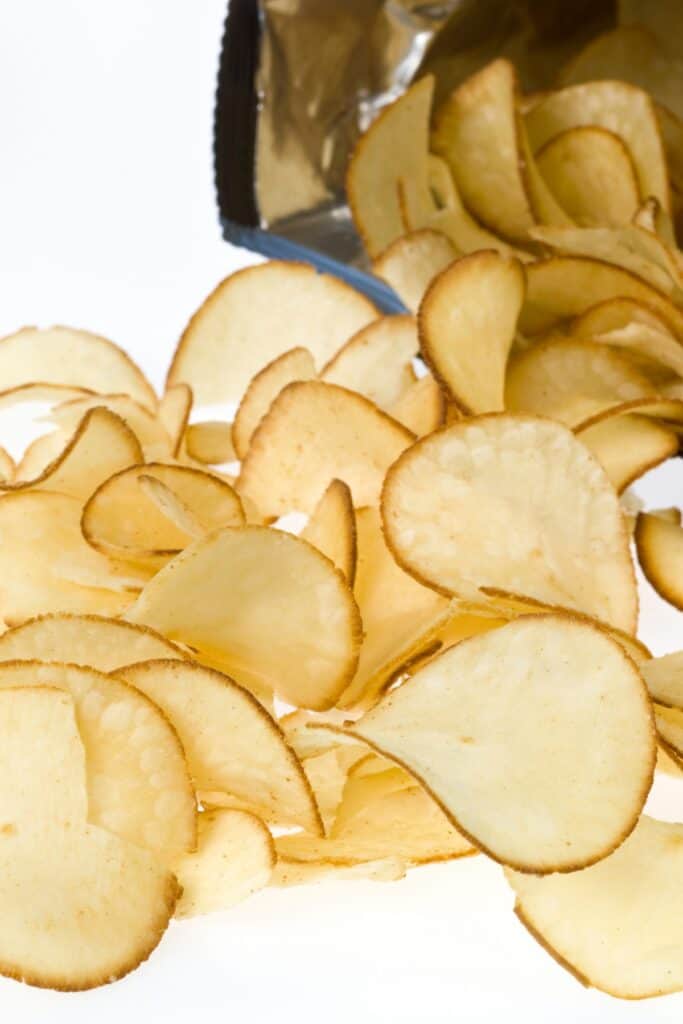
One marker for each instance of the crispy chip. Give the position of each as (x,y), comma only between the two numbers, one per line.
(377,361)
(422,407)
(412,262)
(148,428)
(491,728)
(7,467)
(664,678)
(210,442)
(235,858)
(669,722)
(257,314)
(327,773)
(223,594)
(467,325)
(627,446)
(660,553)
(456,517)
(332,528)
(296,364)
(591,921)
(174,413)
(623,323)
(291,872)
(314,433)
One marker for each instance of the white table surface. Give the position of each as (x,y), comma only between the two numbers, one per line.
(107,221)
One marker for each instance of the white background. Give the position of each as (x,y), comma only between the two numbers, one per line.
(107,221)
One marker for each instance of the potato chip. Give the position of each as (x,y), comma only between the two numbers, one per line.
(210,442)
(40,454)
(291,872)
(422,407)
(137,779)
(235,858)
(296,364)
(412,262)
(153,438)
(343,435)
(307,733)
(223,593)
(174,413)
(652,218)
(44,394)
(467,325)
(7,467)
(567,286)
(377,361)
(620,108)
(120,520)
(669,722)
(68,357)
(394,146)
(660,552)
(664,678)
(571,380)
(327,773)
(671,514)
(627,446)
(90,640)
(171,506)
(231,743)
(491,728)
(590,171)
(591,921)
(257,314)
(370,780)
(332,528)
(654,351)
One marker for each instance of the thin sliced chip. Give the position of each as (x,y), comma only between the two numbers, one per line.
(477,133)
(652,217)
(590,171)
(332,528)
(153,438)
(377,361)
(467,324)
(671,514)
(327,773)
(591,921)
(307,734)
(343,436)
(370,781)
(232,744)
(90,640)
(296,364)
(620,108)
(627,446)
(71,358)
(210,442)
(257,314)
(43,546)
(667,764)
(290,872)
(570,380)
(234,859)
(40,454)
(43,394)
(567,286)
(656,352)
(171,506)
(137,779)
(412,262)
(491,728)
(395,146)
(660,552)
(120,520)
(613,314)
(422,407)
(174,413)
(456,517)
(223,594)
(7,467)
(102,445)
(669,722)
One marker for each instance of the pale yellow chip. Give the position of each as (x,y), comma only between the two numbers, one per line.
(627,446)
(224,594)
(7,466)
(48,394)
(625,324)
(422,407)
(315,433)
(620,108)
(660,552)
(210,442)
(467,324)
(654,219)
(395,146)
(234,859)
(174,413)
(231,742)
(491,728)
(90,640)
(411,263)
(137,778)
(257,314)
(456,516)
(291,872)
(664,678)
(122,520)
(327,773)
(296,364)
(570,380)
(68,357)
(615,925)
(377,362)
(590,171)
(669,722)
(332,528)
(148,428)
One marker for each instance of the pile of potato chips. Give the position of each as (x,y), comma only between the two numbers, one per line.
(438,655)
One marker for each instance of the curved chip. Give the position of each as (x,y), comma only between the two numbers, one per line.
(411,263)
(660,552)
(147,428)
(456,517)
(314,433)
(377,361)
(664,678)
(7,467)
(257,314)
(332,528)
(210,442)
(223,594)
(467,324)
(627,446)
(492,726)
(263,389)
(231,743)
(422,407)
(174,413)
(669,722)
(68,357)
(592,921)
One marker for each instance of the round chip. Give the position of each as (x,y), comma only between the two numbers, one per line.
(660,552)
(492,728)
(263,389)
(411,263)
(377,361)
(331,528)
(145,425)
